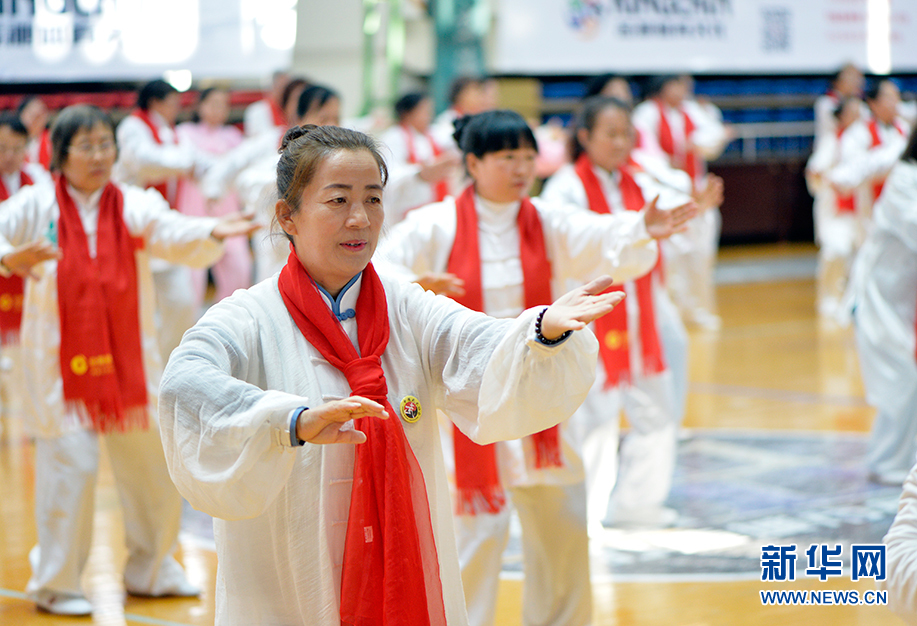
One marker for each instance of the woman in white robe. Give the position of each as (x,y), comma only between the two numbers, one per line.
(884,287)
(500,154)
(66,448)
(604,138)
(242,445)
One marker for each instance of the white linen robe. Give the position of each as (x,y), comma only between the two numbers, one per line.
(227,396)
(405,189)
(691,255)
(31,215)
(901,555)
(884,287)
(551,501)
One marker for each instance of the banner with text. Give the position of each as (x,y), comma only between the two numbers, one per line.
(704,36)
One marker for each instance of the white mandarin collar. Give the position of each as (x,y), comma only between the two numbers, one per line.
(496,215)
(90,201)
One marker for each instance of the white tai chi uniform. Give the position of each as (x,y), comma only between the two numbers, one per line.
(864,163)
(66,454)
(550,502)
(901,555)
(405,189)
(691,255)
(259,118)
(838,232)
(227,397)
(884,286)
(144,162)
(648,453)
(10,354)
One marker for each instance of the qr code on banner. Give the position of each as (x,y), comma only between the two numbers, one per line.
(776,29)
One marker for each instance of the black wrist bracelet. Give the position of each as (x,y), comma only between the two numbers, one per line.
(541,338)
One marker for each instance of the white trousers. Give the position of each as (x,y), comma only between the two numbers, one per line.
(555,553)
(640,477)
(66,469)
(690,259)
(176,306)
(890,378)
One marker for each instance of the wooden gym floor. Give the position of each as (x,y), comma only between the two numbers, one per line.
(772,368)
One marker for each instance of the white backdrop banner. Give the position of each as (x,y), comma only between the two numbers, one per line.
(704,36)
(88,40)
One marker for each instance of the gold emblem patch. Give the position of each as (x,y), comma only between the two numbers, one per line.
(410,409)
(79,365)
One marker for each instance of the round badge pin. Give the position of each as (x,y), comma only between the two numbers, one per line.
(410,409)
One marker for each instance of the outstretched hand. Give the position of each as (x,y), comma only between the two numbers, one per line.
(332,422)
(575,309)
(710,193)
(24,258)
(445,284)
(235,225)
(661,223)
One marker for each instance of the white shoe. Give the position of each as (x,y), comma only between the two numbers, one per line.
(60,603)
(704,320)
(182,589)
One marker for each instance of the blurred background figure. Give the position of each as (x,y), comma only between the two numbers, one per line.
(419,168)
(837,225)
(674,126)
(210,134)
(34,115)
(268,112)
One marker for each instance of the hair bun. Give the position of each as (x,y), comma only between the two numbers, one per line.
(460,124)
(295,133)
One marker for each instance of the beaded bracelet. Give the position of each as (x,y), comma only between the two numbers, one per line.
(541,338)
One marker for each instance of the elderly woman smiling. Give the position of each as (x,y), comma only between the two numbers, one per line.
(328,352)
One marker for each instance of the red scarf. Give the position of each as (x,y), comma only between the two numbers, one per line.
(476,475)
(441,188)
(280,119)
(686,160)
(612,331)
(391,569)
(877,141)
(169,192)
(101,359)
(11,288)
(845,203)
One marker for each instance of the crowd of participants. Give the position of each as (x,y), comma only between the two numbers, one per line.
(103,223)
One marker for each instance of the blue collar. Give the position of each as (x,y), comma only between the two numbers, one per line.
(336,302)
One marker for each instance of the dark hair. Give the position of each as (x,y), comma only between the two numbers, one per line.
(305,148)
(872,92)
(314,97)
(910,152)
(586,117)
(844,68)
(201,96)
(596,84)
(24,103)
(69,122)
(493,131)
(654,84)
(154,90)
(460,84)
(293,85)
(15,124)
(408,102)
